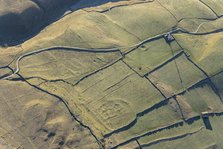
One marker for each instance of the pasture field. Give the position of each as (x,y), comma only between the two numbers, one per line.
(200,98)
(150,140)
(175,76)
(201,26)
(202,139)
(114,96)
(216,5)
(151,55)
(156,119)
(67,65)
(179,9)
(4,71)
(147,22)
(107,74)
(204,50)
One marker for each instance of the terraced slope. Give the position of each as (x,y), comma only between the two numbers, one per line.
(114,74)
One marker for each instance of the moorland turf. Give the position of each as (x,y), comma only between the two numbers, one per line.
(124,74)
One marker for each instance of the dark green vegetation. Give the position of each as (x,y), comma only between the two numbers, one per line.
(126,74)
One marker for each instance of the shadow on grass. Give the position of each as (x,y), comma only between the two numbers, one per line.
(207,123)
(17,28)
(90,3)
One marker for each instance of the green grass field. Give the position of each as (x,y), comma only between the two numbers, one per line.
(216,5)
(180,9)
(151,55)
(203,139)
(113,79)
(175,76)
(204,50)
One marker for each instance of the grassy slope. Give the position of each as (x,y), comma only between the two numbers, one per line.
(104,94)
(111,98)
(66,65)
(156,119)
(101,30)
(175,76)
(188,9)
(170,133)
(216,5)
(33,119)
(203,139)
(205,50)
(19,18)
(150,55)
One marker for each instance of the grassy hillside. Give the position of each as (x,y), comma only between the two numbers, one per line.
(111,74)
(19,18)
